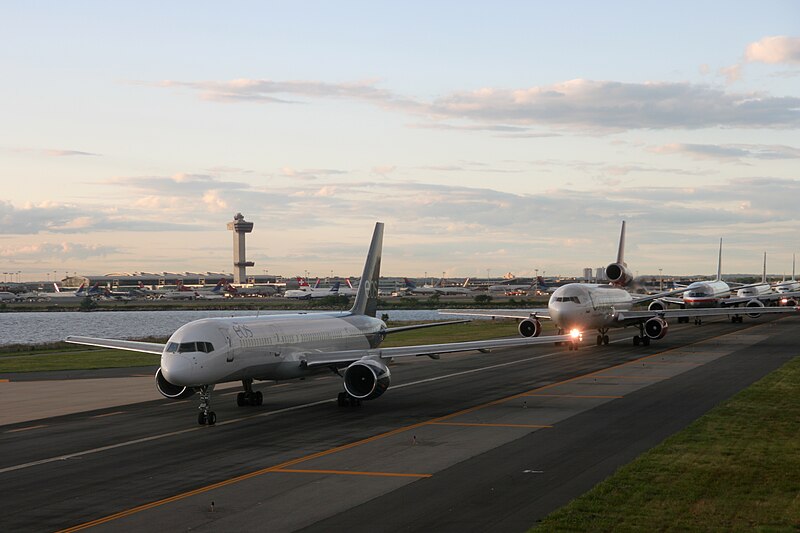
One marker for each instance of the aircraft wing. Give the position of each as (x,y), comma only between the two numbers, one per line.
(623,316)
(489,313)
(771,297)
(116,344)
(348,356)
(420,326)
(639,299)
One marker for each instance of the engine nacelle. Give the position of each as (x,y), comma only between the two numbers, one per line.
(366,379)
(656,305)
(754,304)
(530,327)
(171,391)
(618,274)
(656,328)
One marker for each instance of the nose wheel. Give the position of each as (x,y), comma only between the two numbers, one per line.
(206,417)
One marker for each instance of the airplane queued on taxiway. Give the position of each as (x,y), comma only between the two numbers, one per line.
(581,307)
(209,351)
(718,294)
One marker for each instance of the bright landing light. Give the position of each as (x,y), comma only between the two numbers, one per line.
(575,334)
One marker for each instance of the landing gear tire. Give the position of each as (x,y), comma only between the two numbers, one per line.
(600,340)
(606,340)
(259,398)
(240,401)
(646,341)
(201,419)
(212,418)
(698,321)
(636,340)
(345,400)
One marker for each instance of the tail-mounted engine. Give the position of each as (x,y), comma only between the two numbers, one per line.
(366,379)
(656,328)
(169,390)
(754,304)
(530,327)
(619,275)
(656,305)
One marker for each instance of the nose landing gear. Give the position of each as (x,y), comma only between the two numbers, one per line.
(206,417)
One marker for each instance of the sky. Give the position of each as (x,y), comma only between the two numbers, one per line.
(488,137)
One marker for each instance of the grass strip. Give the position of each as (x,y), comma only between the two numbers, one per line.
(737,468)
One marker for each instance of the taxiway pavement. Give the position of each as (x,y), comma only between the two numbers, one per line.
(474,441)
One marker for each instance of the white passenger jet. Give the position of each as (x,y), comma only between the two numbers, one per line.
(785,286)
(581,307)
(717,294)
(209,351)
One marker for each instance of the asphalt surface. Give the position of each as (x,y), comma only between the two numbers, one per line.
(489,442)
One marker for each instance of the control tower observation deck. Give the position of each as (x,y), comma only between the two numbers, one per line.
(240,227)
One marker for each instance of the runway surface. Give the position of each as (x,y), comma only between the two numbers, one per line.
(489,442)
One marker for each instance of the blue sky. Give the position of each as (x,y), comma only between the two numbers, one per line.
(511,137)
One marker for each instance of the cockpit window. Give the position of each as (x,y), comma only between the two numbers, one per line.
(573,299)
(185,347)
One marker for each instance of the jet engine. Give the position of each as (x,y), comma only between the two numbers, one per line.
(366,379)
(167,389)
(656,305)
(752,304)
(656,328)
(530,327)
(618,274)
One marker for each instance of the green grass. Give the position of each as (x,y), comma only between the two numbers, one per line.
(63,356)
(735,469)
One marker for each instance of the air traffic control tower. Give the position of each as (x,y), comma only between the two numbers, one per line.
(240,264)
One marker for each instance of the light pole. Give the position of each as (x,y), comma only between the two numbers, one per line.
(660,281)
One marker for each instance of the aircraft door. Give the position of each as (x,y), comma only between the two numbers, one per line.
(230,346)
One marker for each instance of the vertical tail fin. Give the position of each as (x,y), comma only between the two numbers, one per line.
(793,267)
(764,274)
(719,263)
(367,295)
(621,250)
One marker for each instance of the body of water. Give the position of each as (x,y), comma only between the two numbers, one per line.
(39,328)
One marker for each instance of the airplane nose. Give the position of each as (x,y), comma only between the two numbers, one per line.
(177,369)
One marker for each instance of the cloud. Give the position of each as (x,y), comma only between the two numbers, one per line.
(57,251)
(310,173)
(730,152)
(52,152)
(51,217)
(774,50)
(582,105)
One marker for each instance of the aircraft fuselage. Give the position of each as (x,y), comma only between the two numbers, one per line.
(218,350)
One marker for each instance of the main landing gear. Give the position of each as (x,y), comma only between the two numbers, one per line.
(249,396)
(641,338)
(206,417)
(345,400)
(737,318)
